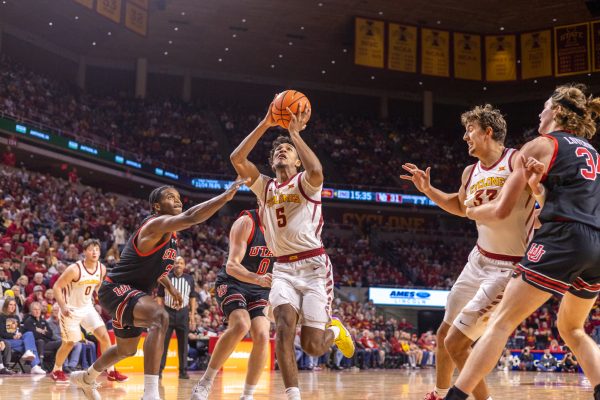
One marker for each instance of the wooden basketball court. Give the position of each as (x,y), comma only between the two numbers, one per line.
(323,385)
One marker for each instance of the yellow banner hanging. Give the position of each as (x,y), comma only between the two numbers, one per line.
(136,19)
(369,39)
(536,54)
(402,47)
(111,9)
(87,3)
(500,58)
(467,56)
(571,49)
(140,3)
(435,52)
(596,46)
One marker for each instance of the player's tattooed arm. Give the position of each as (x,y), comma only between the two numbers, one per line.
(239,157)
(154,230)
(310,161)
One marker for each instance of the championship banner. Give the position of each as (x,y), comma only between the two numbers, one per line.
(87,3)
(596,46)
(402,48)
(467,56)
(571,49)
(140,3)
(136,19)
(536,54)
(369,42)
(435,52)
(501,58)
(111,9)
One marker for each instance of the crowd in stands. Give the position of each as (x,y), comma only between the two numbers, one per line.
(44,221)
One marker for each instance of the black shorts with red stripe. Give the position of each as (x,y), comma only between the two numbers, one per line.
(234,295)
(119,300)
(563,257)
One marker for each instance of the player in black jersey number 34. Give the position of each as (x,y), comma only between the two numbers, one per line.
(146,260)
(563,258)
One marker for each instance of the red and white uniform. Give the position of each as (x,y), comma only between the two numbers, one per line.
(79,298)
(500,245)
(291,215)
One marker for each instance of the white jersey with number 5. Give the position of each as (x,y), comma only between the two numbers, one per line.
(505,239)
(290,213)
(78,294)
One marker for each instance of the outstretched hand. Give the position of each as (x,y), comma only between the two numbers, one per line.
(421,179)
(232,190)
(299,120)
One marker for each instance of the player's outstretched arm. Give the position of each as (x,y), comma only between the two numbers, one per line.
(163,224)
(449,202)
(238,239)
(540,149)
(71,274)
(239,157)
(310,161)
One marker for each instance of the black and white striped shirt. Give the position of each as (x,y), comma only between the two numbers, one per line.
(184,284)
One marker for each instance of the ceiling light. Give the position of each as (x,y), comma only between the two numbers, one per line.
(50,23)
(176,28)
(234,35)
(109,33)
(333,61)
(166,53)
(344,50)
(290,43)
(220,60)
(589,74)
(320,4)
(554,20)
(170,42)
(280,56)
(323,71)
(93,43)
(226,48)
(183,13)
(380,12)
(518,61)
(301,28)
(244,20)
(438,22)
(76,17)
(420,83)
(535,81)
(272,66)
(501,28)
(485,88)
(372,77)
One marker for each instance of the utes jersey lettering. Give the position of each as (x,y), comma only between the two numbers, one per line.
(291,214)
(78,294)
(499,238)
(572,181)
(142,270)
(258,257)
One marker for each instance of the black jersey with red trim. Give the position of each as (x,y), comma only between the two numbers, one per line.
(142,270)
(258,257)
(572,181)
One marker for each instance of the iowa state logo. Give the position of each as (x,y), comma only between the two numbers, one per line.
(535,253)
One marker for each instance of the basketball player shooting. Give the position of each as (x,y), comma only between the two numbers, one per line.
(146,260)
(302,286)
(500,244)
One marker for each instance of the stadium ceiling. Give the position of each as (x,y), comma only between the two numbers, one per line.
(308,40)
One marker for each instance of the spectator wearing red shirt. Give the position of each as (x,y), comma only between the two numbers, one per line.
(9,158)
(38,280)
(37,295)
(30,246)
(73,178)
(404,325)
(35,265)
(6,251)
(371,349)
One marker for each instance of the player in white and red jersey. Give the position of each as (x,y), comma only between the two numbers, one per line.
(74,292)
(302,287)
(500,244)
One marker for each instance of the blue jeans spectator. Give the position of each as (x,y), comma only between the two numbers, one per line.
(74,356)
(27,342)
(88,354)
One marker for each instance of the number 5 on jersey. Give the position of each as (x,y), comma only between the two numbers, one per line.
(281,219)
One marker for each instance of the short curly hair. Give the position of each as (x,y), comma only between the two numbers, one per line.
(276,143)
(487,117)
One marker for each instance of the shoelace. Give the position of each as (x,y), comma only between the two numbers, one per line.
(199,388)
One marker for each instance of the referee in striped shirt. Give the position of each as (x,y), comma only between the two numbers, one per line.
(179,319)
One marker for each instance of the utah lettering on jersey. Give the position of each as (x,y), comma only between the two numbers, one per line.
(496,181)
(121,290)
(283,198)
(170,254)
(263,251)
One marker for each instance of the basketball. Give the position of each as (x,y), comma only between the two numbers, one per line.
(293,99)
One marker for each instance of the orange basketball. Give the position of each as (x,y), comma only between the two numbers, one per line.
(290,98)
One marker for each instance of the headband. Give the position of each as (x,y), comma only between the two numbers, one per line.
(570,106)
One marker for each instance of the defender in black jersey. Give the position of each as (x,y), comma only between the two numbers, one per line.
(563,257)
(242,288)
(125,293)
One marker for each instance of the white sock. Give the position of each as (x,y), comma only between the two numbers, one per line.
(92,374)
(1,366)
(248,390)
(442,392)
(151,387)
(57,368)
(292,393)
(489,398)
(110,369)
(335,330)
(209,375)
